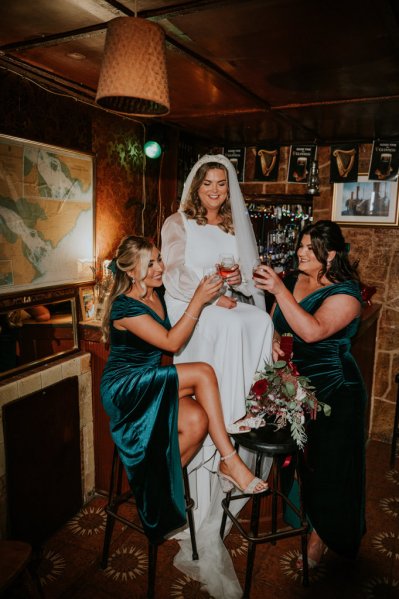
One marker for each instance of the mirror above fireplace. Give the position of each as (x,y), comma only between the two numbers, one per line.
(34,334)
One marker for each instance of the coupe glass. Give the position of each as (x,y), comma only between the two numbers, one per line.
(226,265)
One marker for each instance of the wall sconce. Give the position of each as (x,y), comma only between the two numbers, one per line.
(313,179)
(152,149)
(133,77)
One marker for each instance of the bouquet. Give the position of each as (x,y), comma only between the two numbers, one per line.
(280,391)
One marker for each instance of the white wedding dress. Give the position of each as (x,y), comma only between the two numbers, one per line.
(236,343)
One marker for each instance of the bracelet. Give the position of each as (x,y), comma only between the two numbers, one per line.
(190,316)
(275,340)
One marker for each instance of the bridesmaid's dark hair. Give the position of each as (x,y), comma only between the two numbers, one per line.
(325,236)
(133,253)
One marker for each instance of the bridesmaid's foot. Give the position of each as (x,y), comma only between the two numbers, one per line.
(316,550)
(233,470)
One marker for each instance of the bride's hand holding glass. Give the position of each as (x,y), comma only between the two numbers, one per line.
(229,270)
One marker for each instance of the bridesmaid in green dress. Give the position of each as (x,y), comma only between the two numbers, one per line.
(320,306)
(155,423)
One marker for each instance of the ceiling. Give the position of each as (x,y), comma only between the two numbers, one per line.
(240,71)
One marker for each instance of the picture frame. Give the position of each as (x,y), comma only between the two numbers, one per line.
(366,203)
(87,302)
(47,211)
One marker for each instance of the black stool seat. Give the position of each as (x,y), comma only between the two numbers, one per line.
(116,498)
(279,445)
(268,440)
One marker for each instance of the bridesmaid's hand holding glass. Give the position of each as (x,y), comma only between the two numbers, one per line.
(208,288)
(267,279)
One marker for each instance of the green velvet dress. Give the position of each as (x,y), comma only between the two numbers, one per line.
(141,398)
(333,463)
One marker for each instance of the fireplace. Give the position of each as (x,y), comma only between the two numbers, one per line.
(46,448)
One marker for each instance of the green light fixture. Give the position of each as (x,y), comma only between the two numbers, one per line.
(152,149)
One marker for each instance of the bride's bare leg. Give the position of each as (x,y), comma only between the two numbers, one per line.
(200,380)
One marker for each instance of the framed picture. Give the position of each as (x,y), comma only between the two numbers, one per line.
(87,302)
(46,215)
(365,202)
(237,157)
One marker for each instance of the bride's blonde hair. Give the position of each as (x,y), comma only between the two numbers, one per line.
(133,253)
(193,207)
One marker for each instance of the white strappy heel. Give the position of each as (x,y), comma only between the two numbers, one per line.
(228,483)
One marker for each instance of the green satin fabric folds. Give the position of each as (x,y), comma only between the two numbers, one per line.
(333,463)
(141,399)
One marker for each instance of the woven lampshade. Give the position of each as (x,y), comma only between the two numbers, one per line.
(133,78)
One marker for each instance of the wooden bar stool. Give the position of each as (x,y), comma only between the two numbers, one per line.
(15,558)
(395,433)
(117,498)
(280,446)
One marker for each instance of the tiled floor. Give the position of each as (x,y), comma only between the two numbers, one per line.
(70,567)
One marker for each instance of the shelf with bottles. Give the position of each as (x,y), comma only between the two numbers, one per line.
(276,226)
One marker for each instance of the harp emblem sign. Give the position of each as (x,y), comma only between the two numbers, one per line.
(345,160)
(267,161)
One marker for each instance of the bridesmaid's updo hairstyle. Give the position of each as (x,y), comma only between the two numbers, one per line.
(193,207)
(325,236)
(133,253)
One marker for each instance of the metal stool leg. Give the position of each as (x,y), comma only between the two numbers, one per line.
(152,567)
(117,470)
(395,433)
(304,536)
(189,511)
(254,528)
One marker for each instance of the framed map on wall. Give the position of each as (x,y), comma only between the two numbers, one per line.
(46,216)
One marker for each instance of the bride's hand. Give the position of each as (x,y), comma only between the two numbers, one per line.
(226,302)
(235,277)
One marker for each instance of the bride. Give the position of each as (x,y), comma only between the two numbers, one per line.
(234,333)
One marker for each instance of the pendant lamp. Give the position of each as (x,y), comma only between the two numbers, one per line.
(133,77)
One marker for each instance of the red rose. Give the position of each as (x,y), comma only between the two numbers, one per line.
(260,387)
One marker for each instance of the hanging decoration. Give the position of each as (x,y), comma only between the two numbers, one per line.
(384,162)
(133,77)
(301,157)
(267,163)
(344,162)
